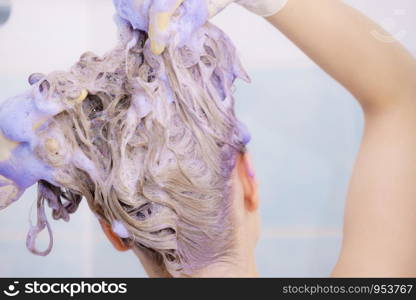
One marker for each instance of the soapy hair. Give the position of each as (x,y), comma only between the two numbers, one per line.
(150,142)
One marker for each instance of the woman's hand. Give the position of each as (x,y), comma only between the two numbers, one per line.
(155,16)
(160,18)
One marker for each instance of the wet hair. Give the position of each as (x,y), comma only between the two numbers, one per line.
(150,142)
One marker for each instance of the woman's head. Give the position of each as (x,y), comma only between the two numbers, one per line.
(151,142)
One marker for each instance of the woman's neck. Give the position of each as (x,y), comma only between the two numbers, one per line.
(244,267)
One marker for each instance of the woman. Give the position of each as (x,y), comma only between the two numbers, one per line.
(192,208)
(380,215)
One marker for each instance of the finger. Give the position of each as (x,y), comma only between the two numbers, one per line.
(159,20)
(9,192)
(7,147)
(216,6)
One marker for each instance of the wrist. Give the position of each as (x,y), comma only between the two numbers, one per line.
(264,8)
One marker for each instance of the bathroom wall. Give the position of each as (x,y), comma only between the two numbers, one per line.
(306,130)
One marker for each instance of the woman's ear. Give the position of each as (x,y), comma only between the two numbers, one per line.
(112,237)
(248,181)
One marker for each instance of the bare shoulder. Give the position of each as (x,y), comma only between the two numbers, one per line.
(380,214)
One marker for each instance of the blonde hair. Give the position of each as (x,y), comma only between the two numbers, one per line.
(150,142)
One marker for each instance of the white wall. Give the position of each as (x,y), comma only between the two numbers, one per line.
(306,131)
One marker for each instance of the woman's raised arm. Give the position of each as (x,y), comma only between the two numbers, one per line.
(380,214)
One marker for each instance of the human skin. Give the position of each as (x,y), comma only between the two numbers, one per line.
(379,237)
(380,215)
